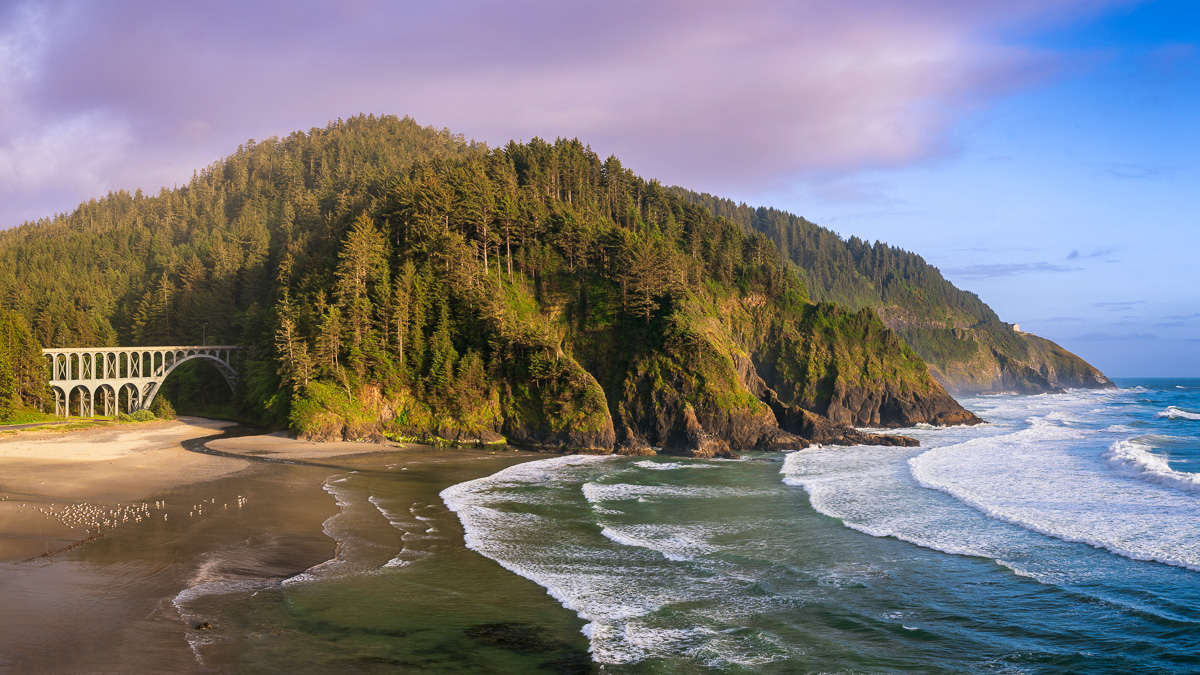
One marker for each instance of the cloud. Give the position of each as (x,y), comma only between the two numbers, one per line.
(704,93)
(1106,337)
(1119,306)
(1060,319)
(1098,253)
(992,270)
(1178,321)
(1137,171)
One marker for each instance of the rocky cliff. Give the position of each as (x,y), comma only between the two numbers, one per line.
(994,358)
(968,348)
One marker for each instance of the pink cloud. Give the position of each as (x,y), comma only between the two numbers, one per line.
(708,93)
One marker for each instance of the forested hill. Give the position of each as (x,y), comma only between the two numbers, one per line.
(397,280)
(132,269)
(969,349)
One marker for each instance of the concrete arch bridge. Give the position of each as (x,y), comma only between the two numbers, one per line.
(123,379)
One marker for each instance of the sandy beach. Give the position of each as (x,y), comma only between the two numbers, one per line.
(122,541)
(54,484)
(50,479)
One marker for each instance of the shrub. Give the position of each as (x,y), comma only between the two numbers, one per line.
(142,416)
(162,408)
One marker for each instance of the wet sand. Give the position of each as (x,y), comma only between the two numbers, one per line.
(57,488)
(79,598)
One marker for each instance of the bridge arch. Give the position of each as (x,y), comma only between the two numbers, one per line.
(133,373)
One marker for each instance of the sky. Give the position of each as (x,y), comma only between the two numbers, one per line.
(1041,153)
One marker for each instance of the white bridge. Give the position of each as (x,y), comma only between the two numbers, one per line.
(84,376)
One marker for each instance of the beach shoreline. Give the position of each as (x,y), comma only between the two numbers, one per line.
(51,479)
(178,525)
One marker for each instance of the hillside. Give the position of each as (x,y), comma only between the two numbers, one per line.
(968,348)
(399,280)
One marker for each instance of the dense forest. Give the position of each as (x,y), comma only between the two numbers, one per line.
(968,347)
(22,376)
(397,280)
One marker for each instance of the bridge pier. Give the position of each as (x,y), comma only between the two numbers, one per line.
(111,371)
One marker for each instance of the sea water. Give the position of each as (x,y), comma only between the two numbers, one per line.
(1061,536)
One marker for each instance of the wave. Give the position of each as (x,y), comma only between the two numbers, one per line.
(1133,458)
(871,490)
(1043,480)
(335,529)
(677,543)
(212,579)
(664,466)
(619,577)
(1177,413)
(551,553)
(364,549)
(596,493)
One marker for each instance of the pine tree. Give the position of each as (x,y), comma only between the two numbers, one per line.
(295,364)
(361,266)
(442,355)
(8,381)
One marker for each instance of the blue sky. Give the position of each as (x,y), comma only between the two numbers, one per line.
(1040,152)
(1072,206)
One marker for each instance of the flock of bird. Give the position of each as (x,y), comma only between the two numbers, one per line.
(97,518)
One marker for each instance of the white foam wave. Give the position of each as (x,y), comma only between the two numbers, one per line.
(616,492)
(995,492)
(1047,484)
(222,587)
(361,550)
(678,543)
(1133,458)
(1176,413)
(615,583)
(341,497)
(186,600)
(664,466)
(870,490)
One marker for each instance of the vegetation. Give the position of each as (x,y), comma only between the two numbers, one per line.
(28,417)
(396,280)
(951,329)
(22,378)
(162,408)
(196,388)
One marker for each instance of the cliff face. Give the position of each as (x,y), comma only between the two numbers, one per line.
(725,375)
(740,373)
(853,370)
(968,348)
(993,358)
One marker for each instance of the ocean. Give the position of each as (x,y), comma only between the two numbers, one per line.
(1061,537)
